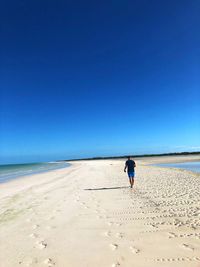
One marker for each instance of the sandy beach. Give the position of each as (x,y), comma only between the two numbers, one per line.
(86,215)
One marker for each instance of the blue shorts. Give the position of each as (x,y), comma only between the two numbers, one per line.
(131,174)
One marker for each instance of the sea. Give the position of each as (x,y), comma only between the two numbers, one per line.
(13,171)
(193,166)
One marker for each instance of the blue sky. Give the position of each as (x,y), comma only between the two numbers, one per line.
(98,78)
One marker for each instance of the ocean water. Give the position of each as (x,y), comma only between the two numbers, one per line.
(14,171)
(191,166)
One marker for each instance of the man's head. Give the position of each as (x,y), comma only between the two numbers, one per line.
(129,157)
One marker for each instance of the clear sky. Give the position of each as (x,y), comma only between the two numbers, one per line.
(98,78)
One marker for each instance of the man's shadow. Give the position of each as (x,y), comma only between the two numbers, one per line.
(108,188)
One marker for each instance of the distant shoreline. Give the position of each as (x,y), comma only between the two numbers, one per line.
(136,156)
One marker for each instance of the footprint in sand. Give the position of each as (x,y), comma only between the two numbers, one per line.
(187,247)
(116,264)
(119,235)
(134,250)
(107,233)
(49,262)
(172,235)
(41,244)
(114,246)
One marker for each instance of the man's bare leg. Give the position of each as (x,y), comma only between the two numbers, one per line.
(130,180)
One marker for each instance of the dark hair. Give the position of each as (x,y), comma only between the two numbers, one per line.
(129,157)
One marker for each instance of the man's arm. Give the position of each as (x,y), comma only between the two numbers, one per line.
(125,167)
(134,164)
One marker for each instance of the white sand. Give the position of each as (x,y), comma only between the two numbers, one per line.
(50,219)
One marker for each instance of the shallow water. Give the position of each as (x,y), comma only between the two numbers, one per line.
(191,166)
(14,171)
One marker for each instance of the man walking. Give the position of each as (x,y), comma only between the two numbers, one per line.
(130,165)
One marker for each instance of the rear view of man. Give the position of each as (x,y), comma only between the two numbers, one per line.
(130,165)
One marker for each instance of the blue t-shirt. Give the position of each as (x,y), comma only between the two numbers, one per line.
(130,165)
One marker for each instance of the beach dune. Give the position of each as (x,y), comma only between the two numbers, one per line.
(86,215)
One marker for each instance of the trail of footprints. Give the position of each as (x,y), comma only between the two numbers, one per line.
(177,259)
(119,235)
(172,212)
(40,244)
(189,235)
(116,246)
(110,234)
